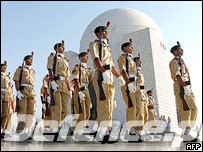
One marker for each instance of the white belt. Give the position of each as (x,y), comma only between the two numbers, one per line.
(132,75)
(185,79)
(3,90)
(84,85)
(26,85)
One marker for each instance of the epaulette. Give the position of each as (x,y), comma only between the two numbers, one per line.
(52,54)
(33,70)
(20,67)
(96,41)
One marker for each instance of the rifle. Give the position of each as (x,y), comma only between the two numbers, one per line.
(130,103)
(80,107)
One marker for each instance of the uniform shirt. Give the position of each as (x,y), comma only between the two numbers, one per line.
(6,84)
(140,77)
(62,66)
(106,53)
(28,75)
(175,70)
(46,84)
(151,101)
(86,73)
(131,65)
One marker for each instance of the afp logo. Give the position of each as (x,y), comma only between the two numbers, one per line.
(193,146)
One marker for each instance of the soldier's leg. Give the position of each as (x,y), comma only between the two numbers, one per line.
(10,121)
(21,115)
(76,106)
(30,112)
(184,115)
(5,113)
(47,118)
(145,111)
(111,94)
(56,109)
(64,98)
(193,108)
(87,104)
(139,111)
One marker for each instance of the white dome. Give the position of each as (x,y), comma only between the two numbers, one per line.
(123,21)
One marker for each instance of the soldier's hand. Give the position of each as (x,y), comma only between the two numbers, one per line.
(44,106)
(48,99)
(81,95)
(121,80)
(19,95)
(114,104)
(106,77)
(90,105)
(187,90)
(131,88)
(70,93)
(54,85)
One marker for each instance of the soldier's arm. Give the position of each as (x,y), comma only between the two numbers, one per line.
(77,85)
(68,83)
(125,77)
(51,74)
(98,64)
(17,85)
(114,71)
(181,82)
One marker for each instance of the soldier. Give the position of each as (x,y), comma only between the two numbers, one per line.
(59,74)
(128,70)
(103,77)
(82,75)
(24,78)
(182,89)
(45,99)
(151,108)
(7,102)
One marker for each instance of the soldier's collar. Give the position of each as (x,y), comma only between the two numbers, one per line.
(28,66)
(130,55)
(83,64)
(3,73)
(61,55)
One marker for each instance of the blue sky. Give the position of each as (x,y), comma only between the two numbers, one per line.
(37,26)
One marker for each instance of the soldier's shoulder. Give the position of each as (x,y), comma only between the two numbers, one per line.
(33,70)
(122,56)
(52,55)
(94,42)
(76,67)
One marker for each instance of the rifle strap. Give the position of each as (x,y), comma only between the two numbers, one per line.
(79,104)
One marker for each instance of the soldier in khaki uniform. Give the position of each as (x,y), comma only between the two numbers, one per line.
(128,70)
(141,96)
(182,89)
(59,73)
(82,75)
(72,84)
(6,101)
(151,109)
(103,77)
(45,99)
(24,78)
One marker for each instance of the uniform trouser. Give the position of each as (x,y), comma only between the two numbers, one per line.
(10,121)
(5,114)
(25,113)
(145,111)
(104,107)
(47,118)
(189,116)
(130,111)
(60,109)
(152,117)
(84,114)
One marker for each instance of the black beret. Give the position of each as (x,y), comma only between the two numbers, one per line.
(149,91)
(176,47)
(100,29)
(136,59)
(82,54)
(27,56)
(3,64)
(125,45)
(58,45)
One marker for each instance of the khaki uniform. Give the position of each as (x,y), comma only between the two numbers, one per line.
(131,107)
(151,110)
(185,115)
(72,85)
(141,100)
(86,77)
(46,84)
(26,105)
(6,102)
(60,109)
(104,107)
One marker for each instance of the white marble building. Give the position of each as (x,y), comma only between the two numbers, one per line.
(149,42)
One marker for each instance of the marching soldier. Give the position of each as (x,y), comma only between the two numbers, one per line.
(82,75)
(45,99)
(24,78)
(103,77)
(7,102)
(59,74)
(182,89)
(72,84)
